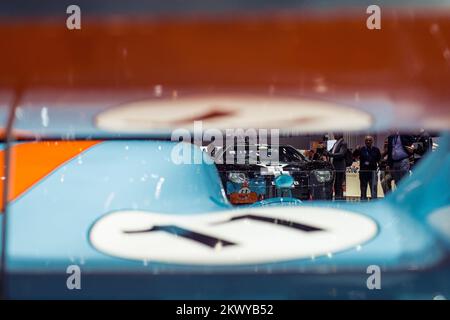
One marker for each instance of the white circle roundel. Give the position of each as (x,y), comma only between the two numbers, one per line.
(233,111)
(248,236)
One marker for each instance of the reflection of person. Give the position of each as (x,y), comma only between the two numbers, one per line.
(309,154)
(400,148)
(321,149)
(337,155)
(369,156)
(423,143)
(356,153)
(385,174)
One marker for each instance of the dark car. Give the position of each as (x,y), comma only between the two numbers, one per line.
(249,173)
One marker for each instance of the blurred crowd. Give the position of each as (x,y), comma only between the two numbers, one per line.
(400,153)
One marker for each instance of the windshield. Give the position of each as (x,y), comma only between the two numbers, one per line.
(262,154)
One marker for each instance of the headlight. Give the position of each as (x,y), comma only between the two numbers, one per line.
(237,177)
(322,175)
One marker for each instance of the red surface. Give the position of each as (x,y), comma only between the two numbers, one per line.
(408,60)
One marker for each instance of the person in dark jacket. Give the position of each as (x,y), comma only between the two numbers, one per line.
(321,149)
(385,173)
(423,143)
(369,157)
(337,156)
(400,149)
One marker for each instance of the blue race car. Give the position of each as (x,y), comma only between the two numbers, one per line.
(138,226)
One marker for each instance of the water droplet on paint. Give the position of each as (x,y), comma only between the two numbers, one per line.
(19,113)
(218,246)
(320,85)
(158,90)
(434,28)
(44,117)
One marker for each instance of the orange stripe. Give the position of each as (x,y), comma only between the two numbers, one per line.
(31,162)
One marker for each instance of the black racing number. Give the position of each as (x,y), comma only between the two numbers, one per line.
(213,242)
